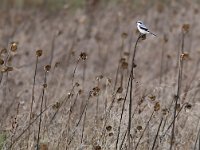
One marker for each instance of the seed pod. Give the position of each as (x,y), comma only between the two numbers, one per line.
(39,53)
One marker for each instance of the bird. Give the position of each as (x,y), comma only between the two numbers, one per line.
(143,29)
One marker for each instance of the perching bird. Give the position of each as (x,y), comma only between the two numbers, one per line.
(143,29)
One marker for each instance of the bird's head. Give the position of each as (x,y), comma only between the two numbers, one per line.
(139,22)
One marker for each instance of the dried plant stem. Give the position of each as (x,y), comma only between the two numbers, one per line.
(197,138)
(133,65)
(32,99)
(130,103)
(154,142)
(118,67)
(73,75)
(83,129)
(77,124)
(41,109)
(24,131)
(172,121)
(144,130)
(177,96)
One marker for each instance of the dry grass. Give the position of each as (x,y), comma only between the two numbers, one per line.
(66,78)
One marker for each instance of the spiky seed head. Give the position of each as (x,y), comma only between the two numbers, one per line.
(47,68)
(39,53)
(13,47)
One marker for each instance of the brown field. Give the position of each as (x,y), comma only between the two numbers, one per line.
(66,77)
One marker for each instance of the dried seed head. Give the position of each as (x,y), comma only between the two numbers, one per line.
(13,47)
(184,56)
(110,134)
(56,105)
(44,85)
(47,68)
(95,91)
(43,146)
(109,128)
(6,69)
(80,92)
(152,97)
(1,61)
(157,106)
(97,147)
(56,64)
(122,60)
(124,65)
(83,56)
(165,111)
(188,106)
(77,84)
(139,128)
(124,35)
(39,53)
(143,37)
(185,28)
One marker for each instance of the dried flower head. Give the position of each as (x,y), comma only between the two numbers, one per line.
(157,106)
(185,28)
(188,106)
(165,111)
(124,35)
(109,128)
(56,105)
(39,53)
(47,68)
(152,97)
(124,65)
(80,92)
(95,91)
(83,56)
(139,128)
(184,56)
(77,84)
(6,69)
(43,146)
(110,134)
(44,85)
(56,64)
(143,37)
(13,47)
(97,147)
(1,61)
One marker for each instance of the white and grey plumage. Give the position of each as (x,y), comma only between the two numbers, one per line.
(143,29)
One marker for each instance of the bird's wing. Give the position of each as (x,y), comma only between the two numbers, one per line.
(142,26)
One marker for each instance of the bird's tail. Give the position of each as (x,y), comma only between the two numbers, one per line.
(152,33)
